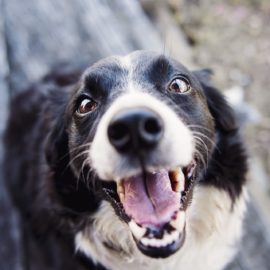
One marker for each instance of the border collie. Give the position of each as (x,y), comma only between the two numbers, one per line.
(137,163)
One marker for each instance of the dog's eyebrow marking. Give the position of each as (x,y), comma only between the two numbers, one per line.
(160,70)
(101,79)
(162,63)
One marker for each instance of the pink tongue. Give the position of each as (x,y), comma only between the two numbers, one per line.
(155,208)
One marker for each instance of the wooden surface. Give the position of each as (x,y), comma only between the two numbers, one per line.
(35,35)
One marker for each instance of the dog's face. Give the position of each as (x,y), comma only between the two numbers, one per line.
(140,131)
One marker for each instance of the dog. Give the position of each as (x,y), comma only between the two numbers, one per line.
(134,163)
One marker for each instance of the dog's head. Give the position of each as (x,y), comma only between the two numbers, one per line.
(140,131)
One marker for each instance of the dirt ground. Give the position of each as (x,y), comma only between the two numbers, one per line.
(232,38)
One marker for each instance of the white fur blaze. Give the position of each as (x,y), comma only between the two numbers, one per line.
(175,149)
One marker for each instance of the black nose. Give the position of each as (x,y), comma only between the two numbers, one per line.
(135,130)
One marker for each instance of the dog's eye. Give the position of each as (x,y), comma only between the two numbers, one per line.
(179,85)
(87,105)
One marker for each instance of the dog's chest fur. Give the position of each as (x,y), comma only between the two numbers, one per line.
(214,228)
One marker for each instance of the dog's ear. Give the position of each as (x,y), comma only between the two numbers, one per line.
(223,114)
(56,147)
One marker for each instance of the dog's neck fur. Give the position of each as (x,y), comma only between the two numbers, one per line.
(213,228)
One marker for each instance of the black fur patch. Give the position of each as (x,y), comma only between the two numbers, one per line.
(55,198)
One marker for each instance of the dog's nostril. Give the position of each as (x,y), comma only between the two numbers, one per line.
(137,129)
(152,126)
(150,130)
(119,135)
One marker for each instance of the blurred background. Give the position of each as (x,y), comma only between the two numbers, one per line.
(231,37)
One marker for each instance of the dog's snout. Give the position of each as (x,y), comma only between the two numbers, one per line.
(135,130)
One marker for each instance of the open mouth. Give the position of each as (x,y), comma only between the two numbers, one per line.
(154,206)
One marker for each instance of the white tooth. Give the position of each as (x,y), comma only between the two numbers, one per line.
(136,230)
(181,180)
(151,242)
(174,236)
(121,197)
(154,242)
(162,243)
(165,241)
(190,173)
(179,222)
(145,241)
(191,170)
(120,187)
(120,190)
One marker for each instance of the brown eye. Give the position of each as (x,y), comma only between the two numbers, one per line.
(179,85)
(87,105)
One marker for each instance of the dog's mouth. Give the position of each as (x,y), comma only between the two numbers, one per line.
(154,206)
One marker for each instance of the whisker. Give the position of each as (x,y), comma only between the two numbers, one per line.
(202,147)
(73,159)
(82,168)
(77,156)
(88,173)
(75,149)
(204,136)
(200,141)
(199,126)
(201,158)
(79,147)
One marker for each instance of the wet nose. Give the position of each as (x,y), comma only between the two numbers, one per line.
(135,130)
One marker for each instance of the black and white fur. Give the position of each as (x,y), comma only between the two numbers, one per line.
(57,162)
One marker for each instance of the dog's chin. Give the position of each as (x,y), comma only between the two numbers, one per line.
(163,251)
(154,204)
(161,243)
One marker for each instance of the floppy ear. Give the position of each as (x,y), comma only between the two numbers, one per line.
(222,113)
(57,141)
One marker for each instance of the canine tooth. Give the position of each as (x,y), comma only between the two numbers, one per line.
(181,180)
(179,222)
(191,169)
(174,235)
(120,187)
(177,187)
(120,190)
(136,230)
(121,197)
(178,179)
